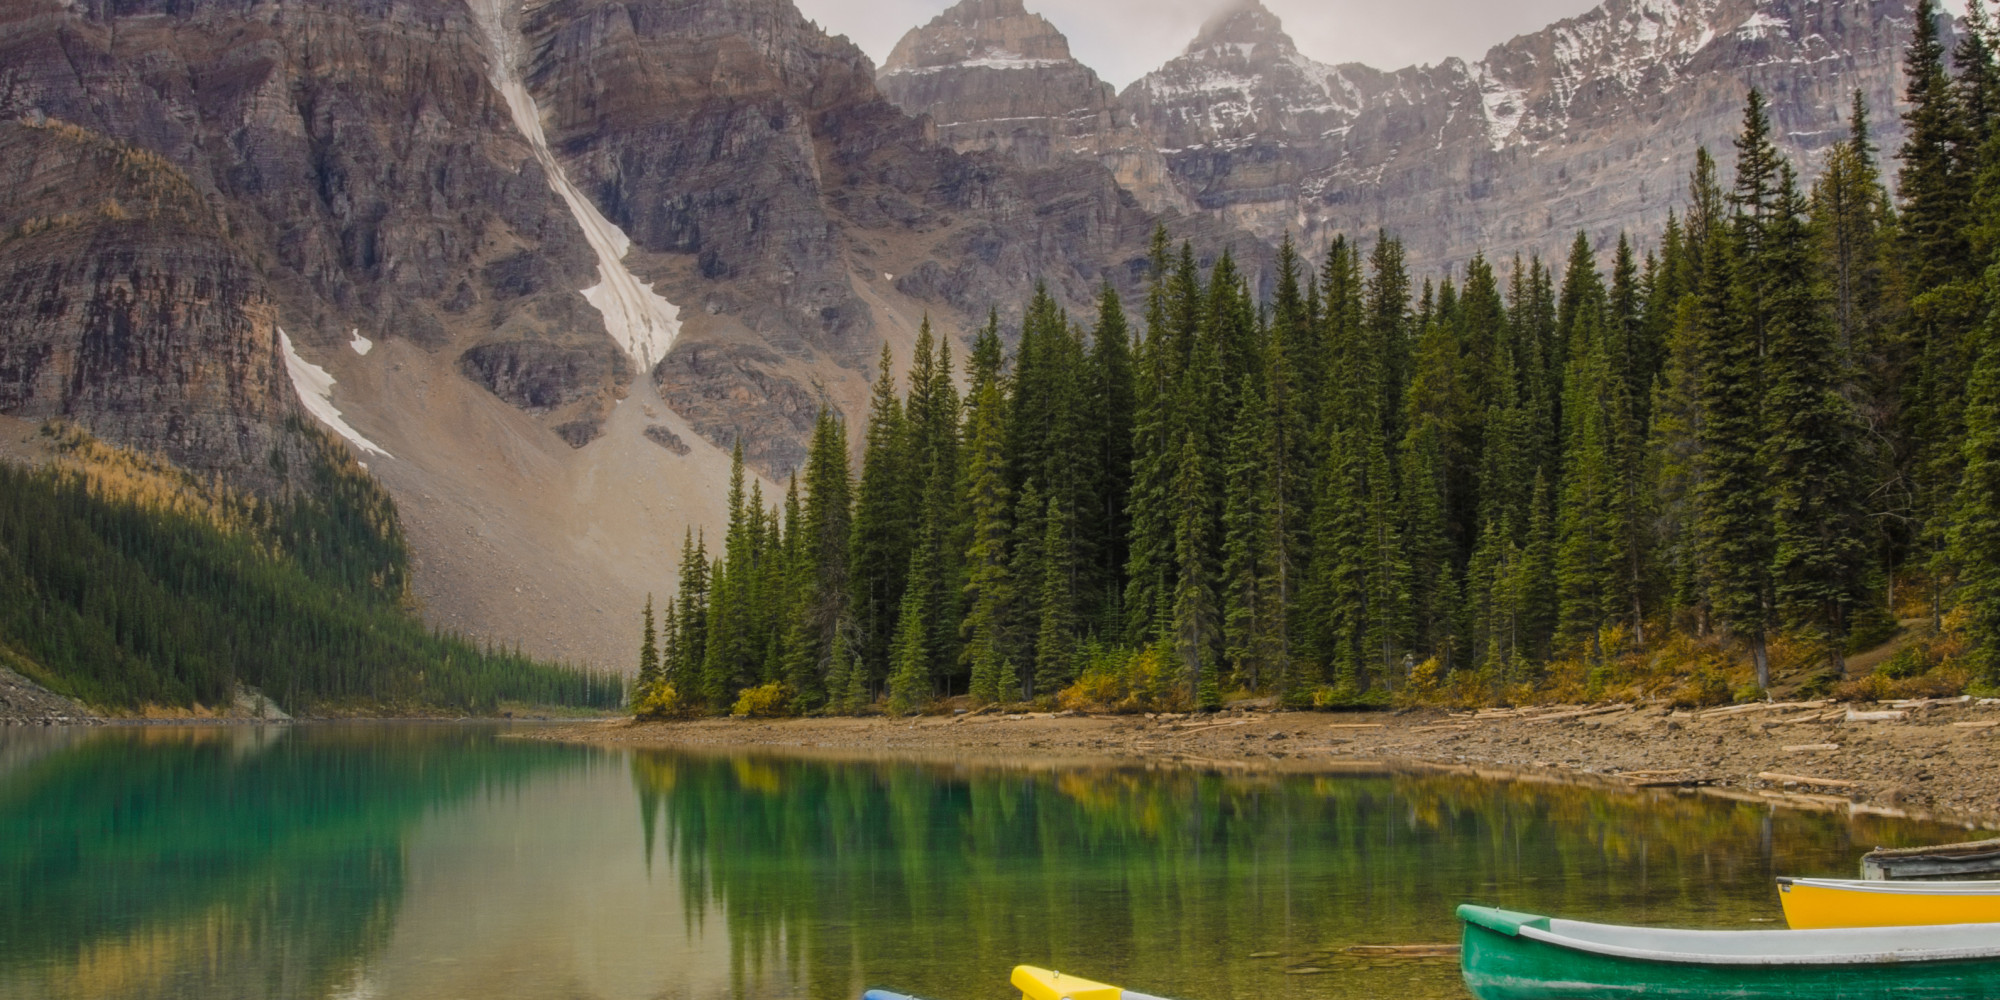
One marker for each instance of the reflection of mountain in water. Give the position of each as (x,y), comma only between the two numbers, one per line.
(218,862)
(932,877)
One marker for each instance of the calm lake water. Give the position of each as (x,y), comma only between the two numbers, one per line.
(430,861)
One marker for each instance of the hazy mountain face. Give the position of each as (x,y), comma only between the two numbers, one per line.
(186,178)
(1589,124)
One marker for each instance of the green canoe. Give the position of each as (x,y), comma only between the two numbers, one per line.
(1520,956)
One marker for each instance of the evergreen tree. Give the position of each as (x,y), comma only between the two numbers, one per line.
(989,589)
(1977,84)
(1977,522)
(1055,641)
(683,666)
(1587,524)
(1251,612)
(730,659)
(1111,401)
(879,551)
(649,655)
(1196,622)
(824,530)
(1731,508)
(1937,262)
(909,672)
(1149,566)
(1820,560)
(1387,305)
(1025,566)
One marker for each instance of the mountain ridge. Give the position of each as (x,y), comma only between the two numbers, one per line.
(1586,124)
(358,180)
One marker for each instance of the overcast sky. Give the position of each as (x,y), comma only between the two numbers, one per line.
(1125,39)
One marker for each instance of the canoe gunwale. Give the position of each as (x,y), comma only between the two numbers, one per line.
(1559,940)
(1967,887)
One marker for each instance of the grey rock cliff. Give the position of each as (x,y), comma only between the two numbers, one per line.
(1589,124)
(994,77)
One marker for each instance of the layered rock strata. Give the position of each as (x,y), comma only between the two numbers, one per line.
(994,77)
(1589,124)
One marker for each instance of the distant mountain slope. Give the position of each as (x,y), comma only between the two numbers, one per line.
(334,202)
(128,584)
(1587,124)
(994,77)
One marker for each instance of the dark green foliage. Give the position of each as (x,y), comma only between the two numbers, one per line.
(1740,432)
(1821,557)
(122,605)
(882,528)
(1977,523)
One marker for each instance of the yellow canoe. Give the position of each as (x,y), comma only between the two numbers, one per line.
(1042,984)
(1813,903)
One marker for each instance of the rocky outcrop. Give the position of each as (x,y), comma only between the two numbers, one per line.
(764,179)
(126,307)
(1587,125)
(542,377)
(23,702)
(994,77)
(358,173)
(345,200)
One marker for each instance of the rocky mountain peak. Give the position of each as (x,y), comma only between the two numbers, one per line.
(996,77)
(1241,78)
(998,34)
(1243,23)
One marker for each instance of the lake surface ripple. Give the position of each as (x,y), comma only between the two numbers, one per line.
(441,861)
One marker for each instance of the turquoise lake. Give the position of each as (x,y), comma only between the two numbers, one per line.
(447,861)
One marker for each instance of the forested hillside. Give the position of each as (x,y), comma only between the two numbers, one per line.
(127,583)
(1771,435)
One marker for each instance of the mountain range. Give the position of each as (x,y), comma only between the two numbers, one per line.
(1587,125)
(545,266)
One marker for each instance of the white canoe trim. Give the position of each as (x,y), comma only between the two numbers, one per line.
(1842,946)
(1967,888)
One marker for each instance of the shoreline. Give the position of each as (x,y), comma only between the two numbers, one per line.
(1930,760)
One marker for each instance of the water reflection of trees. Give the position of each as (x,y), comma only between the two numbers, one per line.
(172,862)
(936,876)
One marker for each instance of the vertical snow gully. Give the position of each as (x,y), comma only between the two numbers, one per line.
(642,322)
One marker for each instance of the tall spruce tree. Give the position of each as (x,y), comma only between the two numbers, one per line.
(1732,526)
(1150,562)
(879,550)
(682,666)
(825,530)
(649,656)
(1250,611)
(1935,258)
(1111,401)
(1977,521)
(1820,568)
(1196,619)
(989,586)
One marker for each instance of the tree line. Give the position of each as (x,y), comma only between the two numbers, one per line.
(1762,426)
(125,583)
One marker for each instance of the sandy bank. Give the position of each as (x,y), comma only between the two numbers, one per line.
(1932,759)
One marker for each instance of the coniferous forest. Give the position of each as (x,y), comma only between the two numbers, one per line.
(1770,439)
(128,584)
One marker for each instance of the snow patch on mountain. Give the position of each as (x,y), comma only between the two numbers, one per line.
(992,60)
(1504,108)
(1762,25)
(639,319)
(314,386)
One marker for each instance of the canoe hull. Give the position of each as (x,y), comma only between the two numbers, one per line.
(1837,904)
(1500,966)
